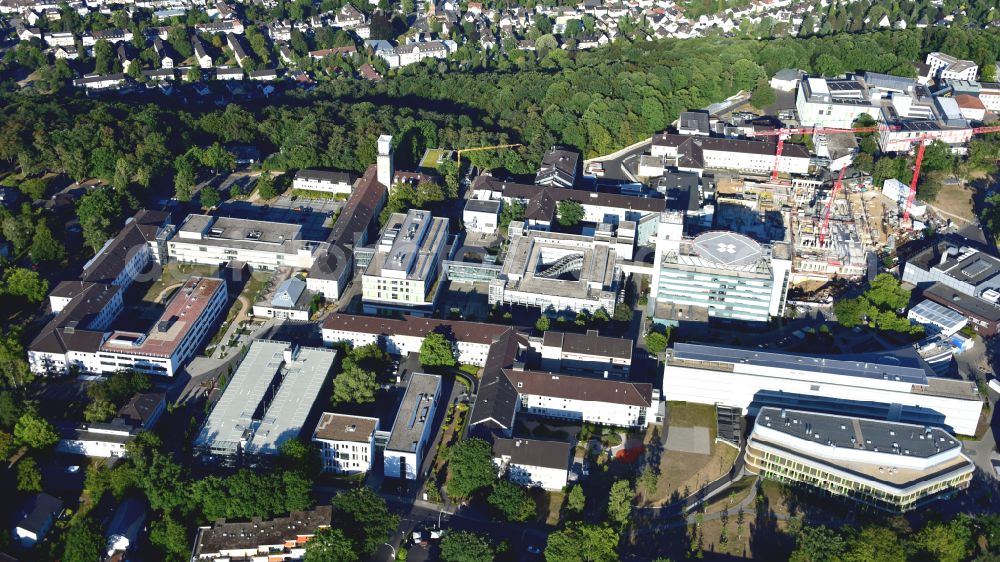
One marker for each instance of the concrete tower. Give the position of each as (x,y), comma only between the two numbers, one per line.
(385,167)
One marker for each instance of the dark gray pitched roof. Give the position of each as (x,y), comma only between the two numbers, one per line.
(533,452)
(36,511)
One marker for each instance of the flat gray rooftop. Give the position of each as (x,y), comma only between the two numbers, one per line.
(868,366)
(228,228)
(414,412)
(248,416)
(859,433)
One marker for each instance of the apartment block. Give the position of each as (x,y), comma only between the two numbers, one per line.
(347,443)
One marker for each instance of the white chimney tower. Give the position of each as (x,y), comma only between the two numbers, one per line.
(384,163)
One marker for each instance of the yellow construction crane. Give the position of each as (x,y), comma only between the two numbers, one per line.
(478,148)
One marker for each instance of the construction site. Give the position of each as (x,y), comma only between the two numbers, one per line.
(824,246)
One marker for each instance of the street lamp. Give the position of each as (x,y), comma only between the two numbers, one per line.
(392,548)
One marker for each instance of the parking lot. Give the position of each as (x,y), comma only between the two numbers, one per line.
(315,215)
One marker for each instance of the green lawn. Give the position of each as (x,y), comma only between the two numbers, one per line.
(431,156)
(175,274)
(686,414)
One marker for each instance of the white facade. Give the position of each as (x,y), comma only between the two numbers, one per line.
(413,429)
(481,216)
(737,383)
(347,443)
(747,156)
(472,353)
(905,140)
(537,476)
(65,39)
(587,411)
(947,67)
(989,94)
(898,192)
(262,245)
(98,440)
(314,180)
(819,105)
(411,53)
(404,272)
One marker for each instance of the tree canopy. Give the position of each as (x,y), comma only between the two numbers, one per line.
(330,545)
(512,501)
(470,468)
(582,542)
(365,519)
(437,351)
(466,546)
(35,432)
(569,212)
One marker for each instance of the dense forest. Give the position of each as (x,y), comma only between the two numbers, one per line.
(596,101)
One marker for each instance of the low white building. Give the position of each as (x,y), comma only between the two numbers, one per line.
(346,443)
(937,317)
(946,67)
(103,440)
(324,181)
(895,467)
(584,399)
(481,216)
(402,336)
(411,53)
(695,154)
(589,353)
(290,300)
(413,429)
(898,192)
(263,245)
(533,463)
(786,80)
(35,517)
(892,385)
(100,81)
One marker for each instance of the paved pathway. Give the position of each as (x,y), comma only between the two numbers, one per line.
(958,218)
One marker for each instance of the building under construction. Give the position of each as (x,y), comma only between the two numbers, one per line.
(795,212)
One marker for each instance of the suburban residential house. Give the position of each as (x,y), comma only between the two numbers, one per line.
(202,56)
(35,517)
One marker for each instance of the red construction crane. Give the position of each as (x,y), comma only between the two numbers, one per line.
(923,139)
(784,133)
(829,205)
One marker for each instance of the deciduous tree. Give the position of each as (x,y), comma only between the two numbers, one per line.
(330,545)
(580,542)
(354,385)
(512,501)
(466,546)
(437,351)
(470,468)
(35,432)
